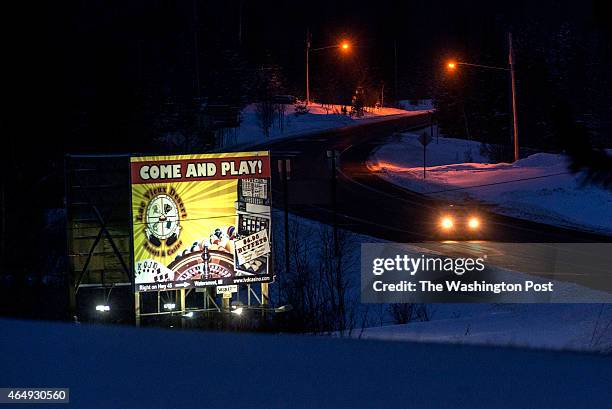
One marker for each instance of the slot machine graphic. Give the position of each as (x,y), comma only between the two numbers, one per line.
(253,207)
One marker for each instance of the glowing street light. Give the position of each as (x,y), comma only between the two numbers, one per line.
(344,46)
(453,65)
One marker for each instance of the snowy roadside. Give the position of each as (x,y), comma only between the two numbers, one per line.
(537,188)
(321,117)
(581,327)
(576,327)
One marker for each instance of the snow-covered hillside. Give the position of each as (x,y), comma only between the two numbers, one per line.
(582,327)
(320,117)
(538,187)
(122,367)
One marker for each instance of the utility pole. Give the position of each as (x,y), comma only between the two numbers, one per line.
(285,170)
(395,68)
(513,86)
(240,23)
(332,155)
(431,127)
(344,46)
(424,160)
(3,223)
(452,65)
(307,67)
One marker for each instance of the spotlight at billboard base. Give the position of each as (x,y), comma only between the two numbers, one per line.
(103,308)
(188,315)
(169,306)
(284,308)
(237,308)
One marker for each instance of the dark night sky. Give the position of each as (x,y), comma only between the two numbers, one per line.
(82,65)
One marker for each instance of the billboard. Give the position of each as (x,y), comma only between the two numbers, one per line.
(201,220)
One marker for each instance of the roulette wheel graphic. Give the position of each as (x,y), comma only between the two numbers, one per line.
(191,266)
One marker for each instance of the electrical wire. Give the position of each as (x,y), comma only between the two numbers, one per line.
(496,183)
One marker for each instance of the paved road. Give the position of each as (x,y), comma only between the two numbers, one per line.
(368,204)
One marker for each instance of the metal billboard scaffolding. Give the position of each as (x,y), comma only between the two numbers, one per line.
(98,229)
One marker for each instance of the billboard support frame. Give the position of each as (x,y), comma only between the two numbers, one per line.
(92,223)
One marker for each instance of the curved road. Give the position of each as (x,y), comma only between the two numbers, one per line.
(368,204)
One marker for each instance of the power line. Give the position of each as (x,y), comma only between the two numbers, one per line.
(180,220)
(496,183)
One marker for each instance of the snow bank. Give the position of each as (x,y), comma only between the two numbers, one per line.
(580,327)
(122,367)
(320,117)
(538,188)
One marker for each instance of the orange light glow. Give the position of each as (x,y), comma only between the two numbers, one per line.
(451,65)
(473,223)
(383,166)
(345,46)
(447,223)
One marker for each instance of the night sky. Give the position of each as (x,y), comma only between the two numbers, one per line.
(90,75)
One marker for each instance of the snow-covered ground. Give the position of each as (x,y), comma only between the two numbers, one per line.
(538,188)
(122,367)
(582,327)
(320,117)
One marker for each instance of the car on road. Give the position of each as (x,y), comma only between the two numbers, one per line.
(458,221)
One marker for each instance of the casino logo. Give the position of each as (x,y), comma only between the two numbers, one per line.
(162,220)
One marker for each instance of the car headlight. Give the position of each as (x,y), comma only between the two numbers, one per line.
(447,223)
(473,223)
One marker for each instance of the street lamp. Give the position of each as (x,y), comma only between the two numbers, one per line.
(452,66)
(344,46)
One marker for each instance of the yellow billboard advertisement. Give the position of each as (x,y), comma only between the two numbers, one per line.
(201,220)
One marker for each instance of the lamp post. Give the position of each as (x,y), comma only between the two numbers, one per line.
(452,65)
(513,85)
(344,46)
